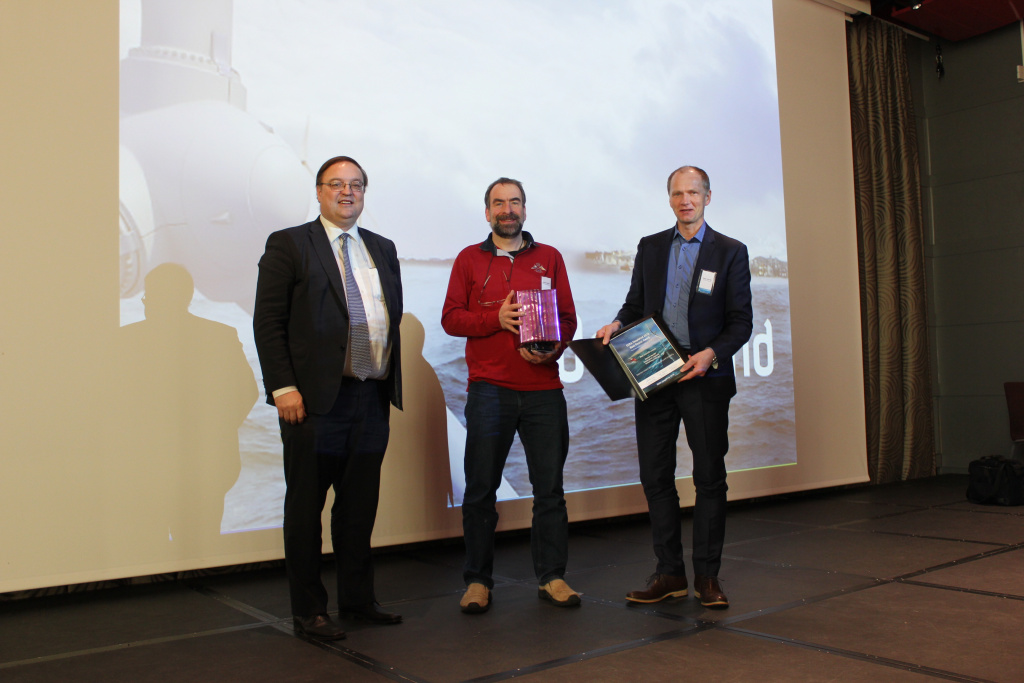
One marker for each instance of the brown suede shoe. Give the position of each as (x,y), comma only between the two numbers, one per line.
(707,589)
(476,599)
(659,587)
(558,593)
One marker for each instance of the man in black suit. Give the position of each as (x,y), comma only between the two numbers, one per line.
(698,280)
(326,323)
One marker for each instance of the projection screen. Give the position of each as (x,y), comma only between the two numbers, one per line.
(226,111)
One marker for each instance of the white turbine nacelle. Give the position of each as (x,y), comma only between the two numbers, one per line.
(136,224)
(202,181)
(219,183)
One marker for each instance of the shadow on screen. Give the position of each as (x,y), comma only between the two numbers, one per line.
(187,388)
(416,473)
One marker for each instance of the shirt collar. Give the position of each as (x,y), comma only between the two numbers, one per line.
(334,232)
(699,237)
(488,244)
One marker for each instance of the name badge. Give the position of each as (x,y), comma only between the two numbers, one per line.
(545,283)
(706,282)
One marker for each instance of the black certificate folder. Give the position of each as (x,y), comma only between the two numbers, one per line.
(603,365)
(640,359)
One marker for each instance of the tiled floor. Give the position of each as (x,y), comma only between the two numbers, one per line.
(904,582)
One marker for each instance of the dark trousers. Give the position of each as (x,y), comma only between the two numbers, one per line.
(343,449)
(493,416)
(657,428)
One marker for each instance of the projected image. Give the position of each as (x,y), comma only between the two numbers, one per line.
(228,110)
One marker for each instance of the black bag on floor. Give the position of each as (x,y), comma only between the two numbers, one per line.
(996,480)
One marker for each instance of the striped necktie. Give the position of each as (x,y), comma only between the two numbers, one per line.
(359,331)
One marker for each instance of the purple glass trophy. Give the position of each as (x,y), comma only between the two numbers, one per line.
(539,330)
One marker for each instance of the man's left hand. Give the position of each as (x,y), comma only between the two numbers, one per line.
(700,362)
(538,357)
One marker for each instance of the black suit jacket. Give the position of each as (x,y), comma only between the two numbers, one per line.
(300,320)
(722,320)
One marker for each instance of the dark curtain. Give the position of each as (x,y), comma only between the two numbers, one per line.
(889,231)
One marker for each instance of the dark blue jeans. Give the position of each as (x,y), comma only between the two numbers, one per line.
(493,416)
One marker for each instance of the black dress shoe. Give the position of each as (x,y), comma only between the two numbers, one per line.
(318,626)
(371,613)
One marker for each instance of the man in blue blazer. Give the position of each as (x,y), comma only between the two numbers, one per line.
(698,280)
(326,324)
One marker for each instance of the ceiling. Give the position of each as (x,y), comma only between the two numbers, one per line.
(950,20)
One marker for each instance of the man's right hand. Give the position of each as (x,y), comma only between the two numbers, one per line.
(508,314)
(290,407)
(606,332)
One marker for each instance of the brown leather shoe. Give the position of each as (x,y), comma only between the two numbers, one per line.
(707,589)
(476,599)
(319,626)
(660,587)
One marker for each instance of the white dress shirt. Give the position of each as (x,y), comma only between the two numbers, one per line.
(365,272)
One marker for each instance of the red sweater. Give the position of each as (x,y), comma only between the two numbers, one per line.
(479,283)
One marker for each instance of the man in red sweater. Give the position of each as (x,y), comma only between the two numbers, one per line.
(511,389)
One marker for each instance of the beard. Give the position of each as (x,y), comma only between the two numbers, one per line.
(507,230)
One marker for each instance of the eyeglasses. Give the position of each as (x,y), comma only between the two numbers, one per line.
(487,278)
(337,185)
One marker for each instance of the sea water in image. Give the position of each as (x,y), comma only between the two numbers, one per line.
(602,447)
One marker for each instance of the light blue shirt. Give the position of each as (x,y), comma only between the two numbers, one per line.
(682,258)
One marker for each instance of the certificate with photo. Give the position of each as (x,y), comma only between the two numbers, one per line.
(648,354)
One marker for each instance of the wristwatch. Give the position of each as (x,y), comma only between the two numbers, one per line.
(714,358)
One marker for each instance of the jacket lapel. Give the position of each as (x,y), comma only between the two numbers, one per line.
(325,254)
(660,279)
